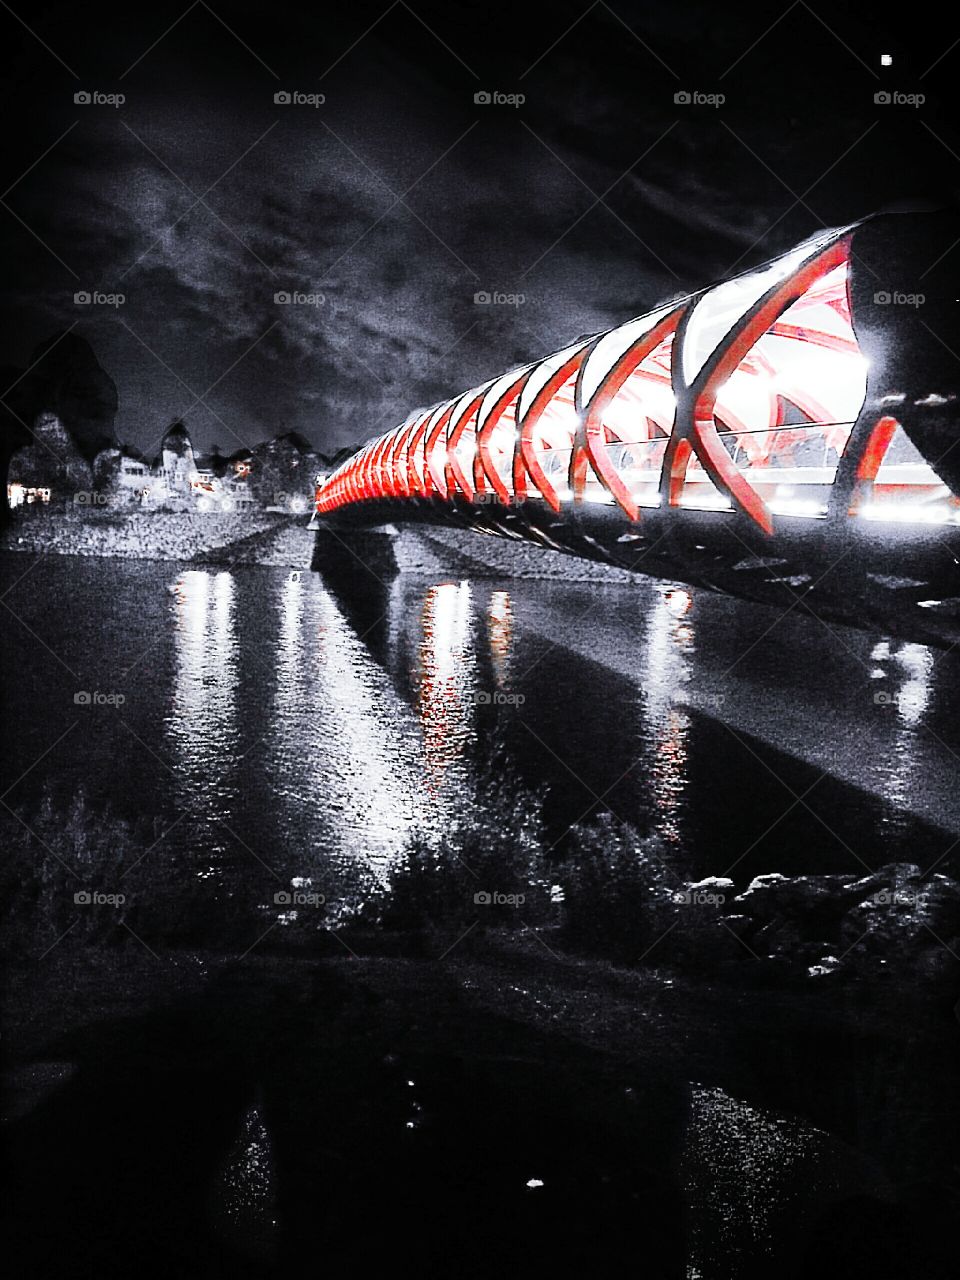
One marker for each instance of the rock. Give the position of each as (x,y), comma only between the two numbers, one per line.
(819,900)
(714,884)
(710,892)
(891,875)
(739,925)
(898,913)
(823,967)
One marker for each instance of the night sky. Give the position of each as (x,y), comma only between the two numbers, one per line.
(400,197)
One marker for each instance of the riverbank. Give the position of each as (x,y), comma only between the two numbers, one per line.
(252,538)
(270,538)
(424,550)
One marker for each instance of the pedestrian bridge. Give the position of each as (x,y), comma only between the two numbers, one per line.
(786,435)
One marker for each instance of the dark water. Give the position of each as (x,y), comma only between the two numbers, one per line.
(262,710)
(282,1121)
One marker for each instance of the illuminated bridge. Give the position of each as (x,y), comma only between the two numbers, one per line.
(786,436)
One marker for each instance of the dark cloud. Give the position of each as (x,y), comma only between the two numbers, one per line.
(400,198)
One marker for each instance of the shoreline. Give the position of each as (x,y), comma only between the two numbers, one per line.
(279,539)
(265,538)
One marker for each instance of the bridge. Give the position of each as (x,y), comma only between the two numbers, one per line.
(785,436)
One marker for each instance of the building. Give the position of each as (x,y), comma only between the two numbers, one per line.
(122,478)
(52,472)
(177,485)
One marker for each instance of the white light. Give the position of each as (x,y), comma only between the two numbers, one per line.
(907,513)
(797,507)
(886,59)
(706,502)
(534,1182)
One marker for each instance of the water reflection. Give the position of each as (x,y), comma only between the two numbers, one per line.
(342,750)
(746,1169)
(902,683)
(244,1207)
(446,685)
(202,724)
(332,775)
(666,668)
(500,633)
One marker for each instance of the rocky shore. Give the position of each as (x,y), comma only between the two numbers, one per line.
(425,549)
(260,538)
(894,919)
(271,538)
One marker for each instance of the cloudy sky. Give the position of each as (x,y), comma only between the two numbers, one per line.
(396,200)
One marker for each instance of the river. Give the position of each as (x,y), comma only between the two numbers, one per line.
(252,716)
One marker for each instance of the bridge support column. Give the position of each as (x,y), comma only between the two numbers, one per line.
(364,555)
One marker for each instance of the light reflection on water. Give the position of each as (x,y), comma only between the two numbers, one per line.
(202,724)
(244,1192)
(350,770)
(354,777)
(903,684)
(745,1169)
(500,633)
(339,761)
(446,685)
(665,667)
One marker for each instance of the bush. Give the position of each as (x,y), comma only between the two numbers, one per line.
(477,871)
(617,890)
(90,876)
